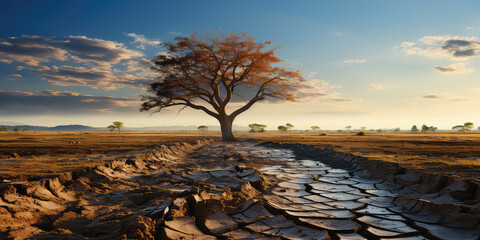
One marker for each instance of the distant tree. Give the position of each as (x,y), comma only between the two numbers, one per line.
(202,128)
(282,128)
(379,130)
(315,128)
(466,127)
(208,71)
(363,128)
(433,129)
(396,129)
(478,128)
(15,130)
(414,128)
(115,125)
(348,128)
(3,129)
(289,126)
(425,128)
(256,127)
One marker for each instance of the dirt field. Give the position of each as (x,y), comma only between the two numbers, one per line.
(50,153)
(455,154)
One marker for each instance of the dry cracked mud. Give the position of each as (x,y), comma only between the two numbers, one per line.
(212,190)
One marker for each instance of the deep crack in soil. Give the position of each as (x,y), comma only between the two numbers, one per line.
(231,191)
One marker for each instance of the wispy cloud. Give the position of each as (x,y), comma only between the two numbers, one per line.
(14,76)
(142,40)
(454,47)
(32,50)
(318,90)
(376,86)
(456,68)
(78,61)
(57,102)
(445,97)
(350,61)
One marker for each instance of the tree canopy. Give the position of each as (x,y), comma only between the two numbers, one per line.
(115,125)
(208,71)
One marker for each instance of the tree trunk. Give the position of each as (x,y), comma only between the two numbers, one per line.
(226,127)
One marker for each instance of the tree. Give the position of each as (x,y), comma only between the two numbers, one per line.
(414,128)
(115,125)
(425,128)
(202,128)
(208,71)
(255,127)
(282,128)
(363,128)
(466,127)
(396,129)
(315,128)
(348,128)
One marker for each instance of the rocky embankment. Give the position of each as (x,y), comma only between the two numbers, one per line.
(239,191)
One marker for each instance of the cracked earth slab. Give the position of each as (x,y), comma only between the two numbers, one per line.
(225,191)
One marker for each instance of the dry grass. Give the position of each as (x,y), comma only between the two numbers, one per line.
(27,154)
(450,153)
(48,153)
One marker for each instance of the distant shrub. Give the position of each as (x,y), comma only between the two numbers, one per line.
(322,134)
(202,128)
(256,127)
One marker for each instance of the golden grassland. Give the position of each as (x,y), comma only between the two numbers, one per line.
(27,154)
(451,153)
(43,153)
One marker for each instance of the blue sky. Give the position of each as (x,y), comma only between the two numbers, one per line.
(390,62)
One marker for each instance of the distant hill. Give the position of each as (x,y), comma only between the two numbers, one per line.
(73,128)
(10,123)
(77,127)
(56,128)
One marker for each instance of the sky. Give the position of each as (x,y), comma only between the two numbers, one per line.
(378,64)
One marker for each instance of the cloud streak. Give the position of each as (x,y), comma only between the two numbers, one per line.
(456,68)
(351,61)
(57,102)
(142,40)
(84,61)
(376,86)
(453,47)
(445,98)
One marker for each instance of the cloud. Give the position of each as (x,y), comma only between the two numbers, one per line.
(350,61)
(454,47)
(376,86)
(84,61)
(316,90)
(55,102)
(456,68)
(66,75)
(445,97)
(138,38)
(32,50)
(14,77)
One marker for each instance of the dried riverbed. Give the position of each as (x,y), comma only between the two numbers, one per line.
(230,191)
